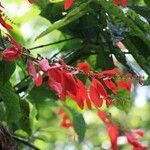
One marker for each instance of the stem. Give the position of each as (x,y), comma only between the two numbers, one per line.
(25,141)
(41,46)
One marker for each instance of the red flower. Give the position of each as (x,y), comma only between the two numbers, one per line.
(123,2)
(125,84)
(68,4)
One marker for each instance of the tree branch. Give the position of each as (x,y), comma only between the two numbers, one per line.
(25,141)
(41,46)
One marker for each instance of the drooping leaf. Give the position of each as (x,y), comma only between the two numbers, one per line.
(11,102)
(6,70)
(79,124)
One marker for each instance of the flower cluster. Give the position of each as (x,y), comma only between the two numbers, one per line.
(63,80)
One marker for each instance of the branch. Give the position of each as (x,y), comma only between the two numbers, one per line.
(25,141)
(61,41)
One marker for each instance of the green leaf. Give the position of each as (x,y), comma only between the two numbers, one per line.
(8,95)
(70,17)
(79,124)
(28,120)
(11,102)
(41,94)
(123,100)
(6,70)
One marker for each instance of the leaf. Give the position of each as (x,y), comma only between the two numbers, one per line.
(79,124)
(123,100)
(28,120)
(6,70)
(70,17)
(8,95)
(11,101)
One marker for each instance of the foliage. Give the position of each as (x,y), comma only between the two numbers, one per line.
(97,51)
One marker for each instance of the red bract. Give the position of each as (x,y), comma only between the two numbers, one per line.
(84,67)
(4,24)
(69,84)
(123,2)
(68,4)
(104,118)
(133,141)
(32,72)
(97,92)
(95,97)
(110,84)
(109,73)
(2,21)
(32,1)
(44,65)
(39,80)
(65,120)
(82,94)
(11,53)
(99,87)
(113,135)
(55,82)
(125,84)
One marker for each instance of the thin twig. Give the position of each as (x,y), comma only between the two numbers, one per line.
(41,46)
(25,141)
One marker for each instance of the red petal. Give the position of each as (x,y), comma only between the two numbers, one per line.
(84,67)
(113,135)
(68,4)
(44,65)
(95,97)
(39,80)
(110,84)
(31,69)
(125,84)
